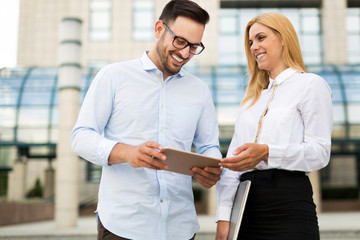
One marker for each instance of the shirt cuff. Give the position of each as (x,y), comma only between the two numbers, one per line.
(213,152)
(223,214)
(104,149)
(275,156)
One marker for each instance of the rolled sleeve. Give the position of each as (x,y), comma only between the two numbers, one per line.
(103,151)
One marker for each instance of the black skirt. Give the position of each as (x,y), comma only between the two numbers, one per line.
(279,207)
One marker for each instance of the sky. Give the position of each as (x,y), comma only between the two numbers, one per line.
(9,14)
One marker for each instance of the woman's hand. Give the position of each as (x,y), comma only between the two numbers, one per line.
(222,230)
(246,157)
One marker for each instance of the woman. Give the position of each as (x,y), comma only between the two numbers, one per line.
(282,133)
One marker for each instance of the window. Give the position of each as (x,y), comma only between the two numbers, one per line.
(100,20)
(232,23)
(143,20)
(230,42)
(353,30)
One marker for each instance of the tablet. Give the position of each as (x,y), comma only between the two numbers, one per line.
(238,208)
(181,161)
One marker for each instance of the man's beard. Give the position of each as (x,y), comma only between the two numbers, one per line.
(164,58)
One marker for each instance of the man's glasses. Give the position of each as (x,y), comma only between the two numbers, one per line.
(181,43)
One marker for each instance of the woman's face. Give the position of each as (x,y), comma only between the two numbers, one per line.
(267,49)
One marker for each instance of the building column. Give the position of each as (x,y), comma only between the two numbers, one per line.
(67,180)
(49,182)
(334,31)
(211,206)
(17,179)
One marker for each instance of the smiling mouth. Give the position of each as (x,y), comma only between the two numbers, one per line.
(180,60)
(259,56)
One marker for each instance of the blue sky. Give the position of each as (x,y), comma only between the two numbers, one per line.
(9,12)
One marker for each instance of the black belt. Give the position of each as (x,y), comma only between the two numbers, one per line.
(269,173)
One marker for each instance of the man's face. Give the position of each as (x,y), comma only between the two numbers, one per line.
(169,58)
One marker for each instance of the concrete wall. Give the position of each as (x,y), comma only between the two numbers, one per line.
(39,30)
(13,212)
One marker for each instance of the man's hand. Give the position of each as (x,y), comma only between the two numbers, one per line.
(222,230)
(246,157)
(208,176)
(146,155)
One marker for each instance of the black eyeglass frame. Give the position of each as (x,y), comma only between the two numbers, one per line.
(192,45)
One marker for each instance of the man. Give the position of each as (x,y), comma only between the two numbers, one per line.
(131,112)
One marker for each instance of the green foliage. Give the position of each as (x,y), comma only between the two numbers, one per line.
(36,191)
(3,183)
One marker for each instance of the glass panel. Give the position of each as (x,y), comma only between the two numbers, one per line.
(354,43)
(31,116)
(311,43)
(354,113)
(229,50)
(337,95)
(35,98)
(228,22)
(311,59)
(139,4)
(191,66)
(143,19)
(338,114)
(352,94)
(6,134)
(32,135)
(100,20)
(7,156)
(353,35)
(54,135)
(8,117)
(228,97)
(245,16)
(293,16)
(354,48)
(55,117)
(100,4)
(352,24)
(305,21)
(311,24)
(8,96)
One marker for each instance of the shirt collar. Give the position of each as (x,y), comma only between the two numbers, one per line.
(281,77)
(149,65)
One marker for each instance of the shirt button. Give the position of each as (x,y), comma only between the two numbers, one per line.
(161,200)
(160,177)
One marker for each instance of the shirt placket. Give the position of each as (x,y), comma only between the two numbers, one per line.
(160,174)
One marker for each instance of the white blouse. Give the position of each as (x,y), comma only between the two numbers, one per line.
(297,128)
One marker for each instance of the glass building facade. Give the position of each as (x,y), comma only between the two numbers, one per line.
(29,95)
(29,104)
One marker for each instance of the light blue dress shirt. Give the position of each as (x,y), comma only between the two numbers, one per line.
(129,103)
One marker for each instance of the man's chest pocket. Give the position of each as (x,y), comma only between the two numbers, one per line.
(183,121)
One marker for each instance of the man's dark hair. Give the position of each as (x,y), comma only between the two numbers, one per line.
(184,8)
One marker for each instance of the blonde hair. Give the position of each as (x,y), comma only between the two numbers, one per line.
(282,27)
